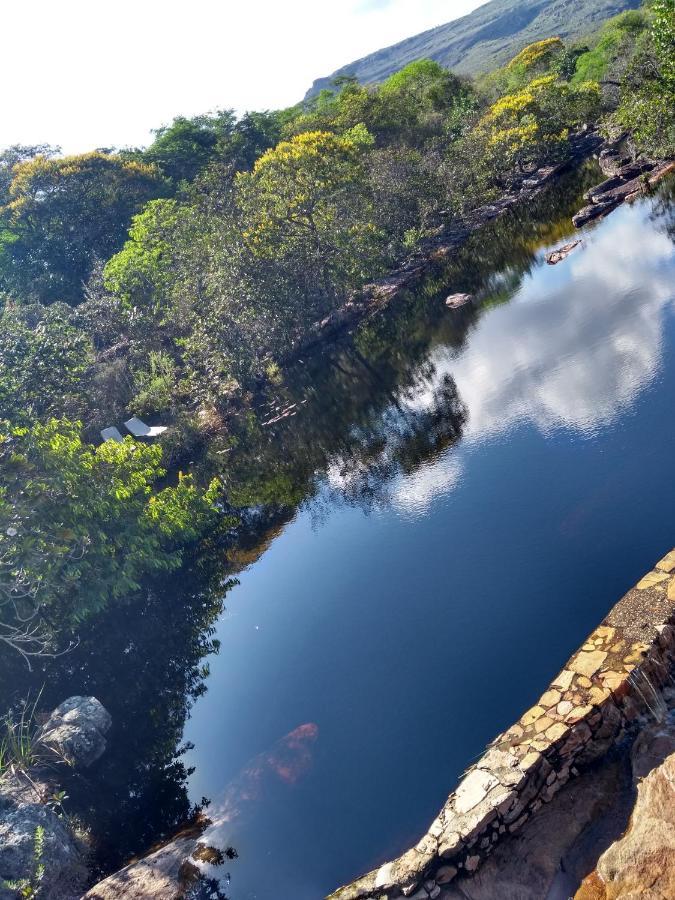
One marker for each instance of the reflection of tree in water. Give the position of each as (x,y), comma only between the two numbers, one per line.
(354,409)
(663,209)
(404,439)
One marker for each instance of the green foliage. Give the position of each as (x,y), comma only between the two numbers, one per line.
(80,525)
(44,359)
(307,203)
(418,105)
(532,125)
(140,272)
(29,887)
(614,42)
(663,39)
(181,150)
(184,149)
(20,745)
(648,86)
(63,215)
(156,385)
(535,59)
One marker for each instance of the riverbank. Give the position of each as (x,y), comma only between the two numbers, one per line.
(609,687)
(377,295)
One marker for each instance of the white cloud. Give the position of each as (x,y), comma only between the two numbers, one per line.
(582,356)
(415,493)
(84,74)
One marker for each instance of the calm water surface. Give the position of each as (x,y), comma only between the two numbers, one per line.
(432,587)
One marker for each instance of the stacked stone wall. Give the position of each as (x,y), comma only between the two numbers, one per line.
(612,681)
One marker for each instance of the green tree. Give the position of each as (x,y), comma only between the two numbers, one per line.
(648,89)
(182,149)
(307,204)
(44,359)
(81,525)
(63,215)
(663,36)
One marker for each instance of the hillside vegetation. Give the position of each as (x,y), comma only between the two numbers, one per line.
(484,39)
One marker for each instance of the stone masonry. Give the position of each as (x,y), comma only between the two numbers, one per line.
(613,679)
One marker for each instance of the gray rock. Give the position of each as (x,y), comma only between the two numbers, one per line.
(64,869)
(76,730)
(454,301)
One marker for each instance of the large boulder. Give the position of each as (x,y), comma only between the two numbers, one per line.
(76,730)
(642,863)
(32,835)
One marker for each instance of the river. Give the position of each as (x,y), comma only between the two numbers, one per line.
(457,500)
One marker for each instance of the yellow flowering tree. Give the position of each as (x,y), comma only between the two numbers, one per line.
(307,207)
(533,124)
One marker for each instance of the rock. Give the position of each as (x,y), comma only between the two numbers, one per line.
(454,301)
(642,863)
(64,869)
(594,211)
(166,873)
(561,253)
(76,730)
(473,789)
(445,874)
(586,663)
(611,160)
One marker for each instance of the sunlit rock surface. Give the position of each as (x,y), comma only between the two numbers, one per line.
(642,863)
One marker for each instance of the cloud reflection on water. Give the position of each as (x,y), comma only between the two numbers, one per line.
(573,349)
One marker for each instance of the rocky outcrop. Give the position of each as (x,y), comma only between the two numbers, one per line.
(642,863)
(164,873)
(556,256)
(76,730)
(33,838)
(627,181)
(23,818)
(594,701)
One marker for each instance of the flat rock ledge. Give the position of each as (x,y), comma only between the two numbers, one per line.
(626,183)
(612,681)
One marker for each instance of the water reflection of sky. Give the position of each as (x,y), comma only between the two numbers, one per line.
(572,350)
(403,640)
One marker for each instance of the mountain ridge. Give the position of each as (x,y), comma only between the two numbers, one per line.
(483,39)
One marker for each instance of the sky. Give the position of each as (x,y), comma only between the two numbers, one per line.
(83,74)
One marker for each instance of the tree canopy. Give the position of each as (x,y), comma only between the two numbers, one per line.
(62,215)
